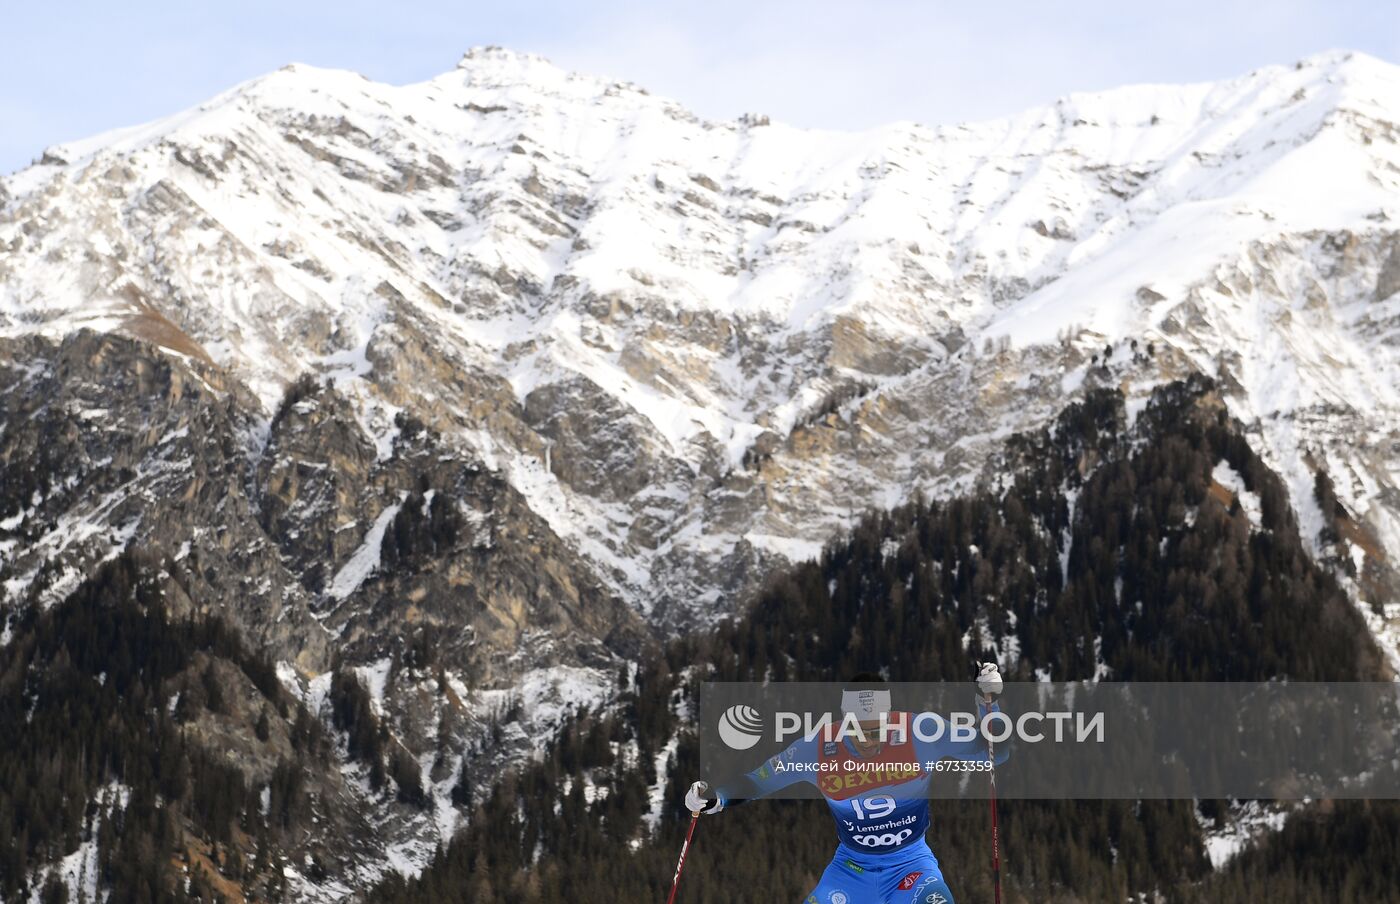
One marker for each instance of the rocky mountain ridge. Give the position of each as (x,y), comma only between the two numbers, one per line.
(698,349)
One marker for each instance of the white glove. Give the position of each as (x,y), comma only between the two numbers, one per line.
(697,799)
(989,681)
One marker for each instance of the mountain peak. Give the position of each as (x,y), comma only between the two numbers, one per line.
(500,67)
(493,54)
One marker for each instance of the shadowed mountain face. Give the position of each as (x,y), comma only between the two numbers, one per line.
(519,371)
(298,529)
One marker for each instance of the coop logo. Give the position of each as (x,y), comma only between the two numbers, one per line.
(885,840)
(740,726)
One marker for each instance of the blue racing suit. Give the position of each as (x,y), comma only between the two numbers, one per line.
(881,808)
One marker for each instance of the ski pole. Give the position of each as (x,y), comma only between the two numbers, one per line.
(996,841)
(680,864)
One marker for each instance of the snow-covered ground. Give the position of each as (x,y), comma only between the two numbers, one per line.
(365,559)
(1246,823)
(1231,480)
(78,872)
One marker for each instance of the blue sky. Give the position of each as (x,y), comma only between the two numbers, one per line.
(73,69)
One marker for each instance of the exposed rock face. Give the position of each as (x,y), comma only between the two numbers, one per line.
(1388,283)
(581,366)
(107,444)
(316,463)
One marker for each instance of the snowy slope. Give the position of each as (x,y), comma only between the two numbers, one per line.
(698,348)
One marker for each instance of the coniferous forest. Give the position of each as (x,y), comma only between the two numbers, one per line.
(97,754)
(1165,578)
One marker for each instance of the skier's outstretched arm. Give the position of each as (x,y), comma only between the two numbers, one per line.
(777,772)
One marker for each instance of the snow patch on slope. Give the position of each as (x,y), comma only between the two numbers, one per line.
(363,562)
(1231,480)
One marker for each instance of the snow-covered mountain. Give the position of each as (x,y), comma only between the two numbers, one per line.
(649,358)
(696,348)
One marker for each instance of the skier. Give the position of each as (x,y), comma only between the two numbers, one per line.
(881,857)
